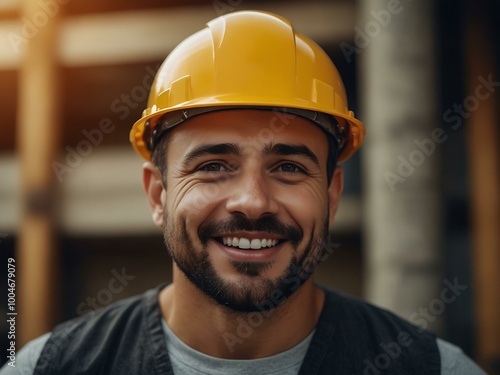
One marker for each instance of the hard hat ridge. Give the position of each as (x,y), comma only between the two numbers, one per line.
(248,59)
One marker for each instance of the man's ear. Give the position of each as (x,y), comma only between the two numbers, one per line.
(153,185)
(334,192)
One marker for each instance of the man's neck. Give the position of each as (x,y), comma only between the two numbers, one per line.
(217,331)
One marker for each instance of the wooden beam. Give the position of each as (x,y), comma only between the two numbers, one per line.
(484,157)
(37,135)
(10,58)
(149,35)
(7,6)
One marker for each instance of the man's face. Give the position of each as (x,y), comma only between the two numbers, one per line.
(247,204)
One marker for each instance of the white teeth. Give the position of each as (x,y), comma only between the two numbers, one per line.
(245,243)
(255,244)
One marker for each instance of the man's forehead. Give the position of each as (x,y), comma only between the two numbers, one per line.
(191,144)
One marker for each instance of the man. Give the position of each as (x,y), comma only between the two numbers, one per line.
(245,124)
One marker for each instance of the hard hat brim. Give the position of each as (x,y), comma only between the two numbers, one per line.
(355,132)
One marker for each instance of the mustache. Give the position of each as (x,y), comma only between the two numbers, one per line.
(269,224)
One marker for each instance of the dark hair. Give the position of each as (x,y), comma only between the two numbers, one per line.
(333,154)
(159,157)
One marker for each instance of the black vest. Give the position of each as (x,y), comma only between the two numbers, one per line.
(352,337)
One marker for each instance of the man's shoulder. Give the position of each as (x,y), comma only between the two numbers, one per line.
(393,333)
(369,338)
(455,362)
(365,313)
(79,329)
(26,358)
(94,335)
(128,309)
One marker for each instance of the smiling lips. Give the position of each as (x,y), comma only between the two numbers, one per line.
(245,243)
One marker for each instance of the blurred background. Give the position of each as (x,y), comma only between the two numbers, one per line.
(418,229)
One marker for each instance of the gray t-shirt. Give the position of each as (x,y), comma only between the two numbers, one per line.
(186,360)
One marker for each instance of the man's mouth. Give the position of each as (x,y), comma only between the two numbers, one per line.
(246,243)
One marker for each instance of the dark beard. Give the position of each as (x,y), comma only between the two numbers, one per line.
(259,295)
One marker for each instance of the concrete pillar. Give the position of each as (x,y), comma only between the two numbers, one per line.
(396,48)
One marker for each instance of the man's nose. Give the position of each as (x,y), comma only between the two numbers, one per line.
(252,196)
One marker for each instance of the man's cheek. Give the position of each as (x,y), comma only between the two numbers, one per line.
(199,201)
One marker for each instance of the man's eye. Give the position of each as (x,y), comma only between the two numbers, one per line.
(213,167)
(289,168)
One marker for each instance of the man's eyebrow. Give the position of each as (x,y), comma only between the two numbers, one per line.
(211,149)
(285,149)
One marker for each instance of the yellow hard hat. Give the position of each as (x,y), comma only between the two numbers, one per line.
(248,59)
